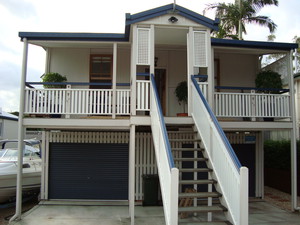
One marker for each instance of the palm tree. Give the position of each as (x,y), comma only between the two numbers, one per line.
(235,16)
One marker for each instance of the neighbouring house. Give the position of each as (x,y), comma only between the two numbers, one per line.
(116,119)
(8,125)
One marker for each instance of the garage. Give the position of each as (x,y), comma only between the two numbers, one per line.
(88,171)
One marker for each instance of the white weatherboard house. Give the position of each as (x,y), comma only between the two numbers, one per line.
(8,125)
(118,115)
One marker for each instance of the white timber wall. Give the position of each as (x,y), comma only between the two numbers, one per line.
(8,129)
(75,63)
(237,70)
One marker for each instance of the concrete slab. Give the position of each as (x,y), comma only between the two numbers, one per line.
(260,213)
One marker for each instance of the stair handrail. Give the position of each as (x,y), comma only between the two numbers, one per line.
(168,173)
(232,176)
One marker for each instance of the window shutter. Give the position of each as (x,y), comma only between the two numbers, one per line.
(200,49)
(143,46)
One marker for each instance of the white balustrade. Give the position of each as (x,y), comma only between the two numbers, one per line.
(204,88)
(142,100)
(76,101)
(232,178)
(168,174)
(252,105)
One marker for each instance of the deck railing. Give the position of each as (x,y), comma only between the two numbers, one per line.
(168,173)
(232,177)
(67,101)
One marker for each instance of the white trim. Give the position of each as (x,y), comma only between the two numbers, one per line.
(114,81)
(132,173)
(133,70)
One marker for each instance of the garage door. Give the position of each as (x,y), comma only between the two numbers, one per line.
(88,171)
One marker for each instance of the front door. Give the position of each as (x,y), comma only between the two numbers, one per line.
(160,80)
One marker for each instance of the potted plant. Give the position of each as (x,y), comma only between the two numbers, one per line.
(54,78)
(270,82)
(181,94)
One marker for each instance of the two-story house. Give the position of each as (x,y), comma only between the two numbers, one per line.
(118,114)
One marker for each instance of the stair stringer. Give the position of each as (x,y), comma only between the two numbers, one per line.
(214,176)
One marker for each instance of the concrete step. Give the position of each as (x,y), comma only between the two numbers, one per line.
(204,223)
(198,182)
(200,209)
(184,140)
(200,195)
(195,170)
(191,159)
(187,149)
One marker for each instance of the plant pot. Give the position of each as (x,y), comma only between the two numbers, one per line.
(182,114)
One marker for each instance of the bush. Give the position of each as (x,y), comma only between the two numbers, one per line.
(278,154)
(55,78)
(268,79)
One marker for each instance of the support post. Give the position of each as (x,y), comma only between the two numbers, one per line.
(293,134)
(133,69)
(132,173)
(244,202)
(21,131)
(114,81)
(152,50)
(190,65)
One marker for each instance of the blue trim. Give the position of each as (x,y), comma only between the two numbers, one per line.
(143,74)
(163,124)
(253,44)
(200,76)
(8,118)
(219,129)
(252,88)
(74,83)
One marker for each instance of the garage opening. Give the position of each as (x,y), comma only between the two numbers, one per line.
(88,171)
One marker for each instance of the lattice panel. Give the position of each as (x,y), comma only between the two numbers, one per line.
(143,47)
(200,49)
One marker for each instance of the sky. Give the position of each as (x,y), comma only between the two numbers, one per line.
(101,17)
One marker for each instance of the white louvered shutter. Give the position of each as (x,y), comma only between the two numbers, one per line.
(143,46)
(200,49)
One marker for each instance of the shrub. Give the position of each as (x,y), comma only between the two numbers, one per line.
(55,78)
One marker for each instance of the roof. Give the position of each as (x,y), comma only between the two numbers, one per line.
(253,44)
(146,15)
(8,116)
(130,19)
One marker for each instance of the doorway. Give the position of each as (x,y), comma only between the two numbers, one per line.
(160,81)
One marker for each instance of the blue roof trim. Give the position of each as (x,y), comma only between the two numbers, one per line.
(55,36)
(253,44)
(168,9)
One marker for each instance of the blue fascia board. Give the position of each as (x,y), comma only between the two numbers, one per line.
(253,44)
(57,36)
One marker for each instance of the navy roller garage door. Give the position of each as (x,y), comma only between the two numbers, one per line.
(88,171)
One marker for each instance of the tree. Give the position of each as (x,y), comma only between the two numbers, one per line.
(296,39)
(234,17)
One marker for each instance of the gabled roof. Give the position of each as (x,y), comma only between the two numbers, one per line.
(169,9)
(130,19)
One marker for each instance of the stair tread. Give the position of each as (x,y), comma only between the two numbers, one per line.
(197,182)
(185,140)
(187,149)
(183,132)
(200,195)
(204,223)
(214,208)
(195,170)
(190,159)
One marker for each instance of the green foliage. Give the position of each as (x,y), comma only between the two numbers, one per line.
(278,154)
(55,78)
(233,15)
(268,79)
(181,93)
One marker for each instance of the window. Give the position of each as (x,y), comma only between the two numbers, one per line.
(101,70)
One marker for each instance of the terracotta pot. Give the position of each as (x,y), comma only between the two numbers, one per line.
(182,114)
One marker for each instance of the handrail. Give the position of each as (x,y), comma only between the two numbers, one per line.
(163,125)
(218,127)
(280,90)
(74,83)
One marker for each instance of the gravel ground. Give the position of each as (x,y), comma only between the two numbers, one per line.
(278,198)
(7,213)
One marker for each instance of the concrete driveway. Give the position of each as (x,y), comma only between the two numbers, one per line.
(260,213)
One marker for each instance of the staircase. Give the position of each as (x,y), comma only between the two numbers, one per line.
(198,199)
